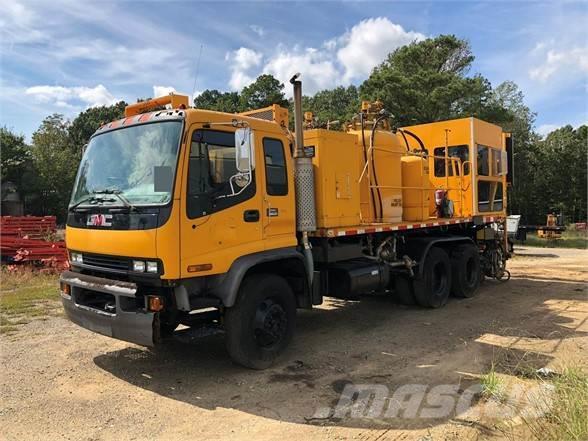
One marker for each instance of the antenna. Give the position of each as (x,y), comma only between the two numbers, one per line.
(196,72)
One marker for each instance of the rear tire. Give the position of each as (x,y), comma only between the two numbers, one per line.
(261,323)
(432,291)
(466,269)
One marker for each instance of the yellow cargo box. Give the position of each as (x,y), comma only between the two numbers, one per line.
(336,160)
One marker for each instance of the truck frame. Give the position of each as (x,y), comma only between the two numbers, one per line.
(191,217)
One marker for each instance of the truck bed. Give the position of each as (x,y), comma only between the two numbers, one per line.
(369,228)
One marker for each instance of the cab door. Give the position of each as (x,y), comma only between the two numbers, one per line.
(218,226)
(279,212)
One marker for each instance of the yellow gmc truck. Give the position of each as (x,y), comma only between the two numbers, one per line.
(198,218)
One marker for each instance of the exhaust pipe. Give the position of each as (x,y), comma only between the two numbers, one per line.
(303,181)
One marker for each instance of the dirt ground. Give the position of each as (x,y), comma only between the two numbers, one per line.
(59,381)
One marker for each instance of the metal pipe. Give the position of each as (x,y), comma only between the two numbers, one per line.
(299,148)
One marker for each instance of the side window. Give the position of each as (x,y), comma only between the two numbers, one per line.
(457,151)
(498,203)
(461,152)
(483,196)
(439,162)
(490,196)
(497,163)
(275,167)
(483,167)
(211,166)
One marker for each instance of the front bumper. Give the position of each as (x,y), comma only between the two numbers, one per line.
(122,320)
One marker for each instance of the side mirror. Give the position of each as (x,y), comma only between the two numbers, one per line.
(244,150)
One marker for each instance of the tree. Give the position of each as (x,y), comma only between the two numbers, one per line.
(15,156)
(265,91)
(339,104)
(426,81)
(55,160)
(212,99)
(88,121)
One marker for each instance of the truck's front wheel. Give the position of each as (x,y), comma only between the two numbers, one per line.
(261,323)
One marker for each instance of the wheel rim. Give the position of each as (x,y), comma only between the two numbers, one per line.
(439,279)
(270,324)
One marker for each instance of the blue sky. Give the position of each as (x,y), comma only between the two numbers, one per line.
(64,56)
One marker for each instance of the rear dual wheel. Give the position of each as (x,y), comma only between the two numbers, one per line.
(465,264)
(432,291)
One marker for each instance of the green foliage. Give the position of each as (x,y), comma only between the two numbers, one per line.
(426,81)
(15,156)
(218,101)
(338,104)
(87,122)
(55,159)
(265,91)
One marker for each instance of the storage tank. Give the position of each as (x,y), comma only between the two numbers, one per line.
(416,194)
(385,173)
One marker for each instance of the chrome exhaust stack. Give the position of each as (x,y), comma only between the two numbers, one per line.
(303,182)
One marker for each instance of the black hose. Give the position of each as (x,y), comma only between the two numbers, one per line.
(405,141)
(423,148)
(365,158)
(373,137)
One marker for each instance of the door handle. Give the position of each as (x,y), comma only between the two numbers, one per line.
(251,215)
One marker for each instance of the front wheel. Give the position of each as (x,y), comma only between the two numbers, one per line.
(261,323)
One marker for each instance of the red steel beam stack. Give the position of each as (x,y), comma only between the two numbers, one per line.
(23,240)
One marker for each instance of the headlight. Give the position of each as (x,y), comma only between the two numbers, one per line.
(139,266)
(76,258)
(151,267)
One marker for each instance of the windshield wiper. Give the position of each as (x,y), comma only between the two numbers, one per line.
(118,193)
(90,198)
(114,191)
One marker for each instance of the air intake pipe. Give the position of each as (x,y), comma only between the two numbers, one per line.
(303,182)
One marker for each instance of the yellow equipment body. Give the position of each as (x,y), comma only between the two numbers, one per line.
(181,210)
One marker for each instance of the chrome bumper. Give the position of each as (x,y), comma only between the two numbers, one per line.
(123,320)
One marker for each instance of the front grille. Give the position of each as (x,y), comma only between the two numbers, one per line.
(113,263)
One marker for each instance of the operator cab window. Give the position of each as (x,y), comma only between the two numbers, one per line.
(275,167)
(211,173)
(457,151)
(483,166)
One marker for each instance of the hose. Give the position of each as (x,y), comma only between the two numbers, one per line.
(380,118)
(421,144)
(365,158)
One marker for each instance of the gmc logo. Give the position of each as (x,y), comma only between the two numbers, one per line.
(99,220)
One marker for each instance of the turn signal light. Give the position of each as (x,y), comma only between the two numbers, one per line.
(65,288)
(198,268)
(154,303)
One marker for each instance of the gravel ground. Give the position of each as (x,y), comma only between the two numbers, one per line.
(60,381)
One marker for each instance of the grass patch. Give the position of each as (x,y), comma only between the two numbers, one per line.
(26,295)
(567,418)
(569,239)
(492,385)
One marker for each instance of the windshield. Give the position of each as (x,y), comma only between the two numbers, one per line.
(136,162)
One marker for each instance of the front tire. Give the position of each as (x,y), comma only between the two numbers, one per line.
(261,323)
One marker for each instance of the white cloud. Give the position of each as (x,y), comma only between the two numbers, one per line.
(317,68)
(258,30)
(162,91)
(369,42)
(338,61)
(243,60)
(545,129)
(69,97)
(16,23)
(560,62)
